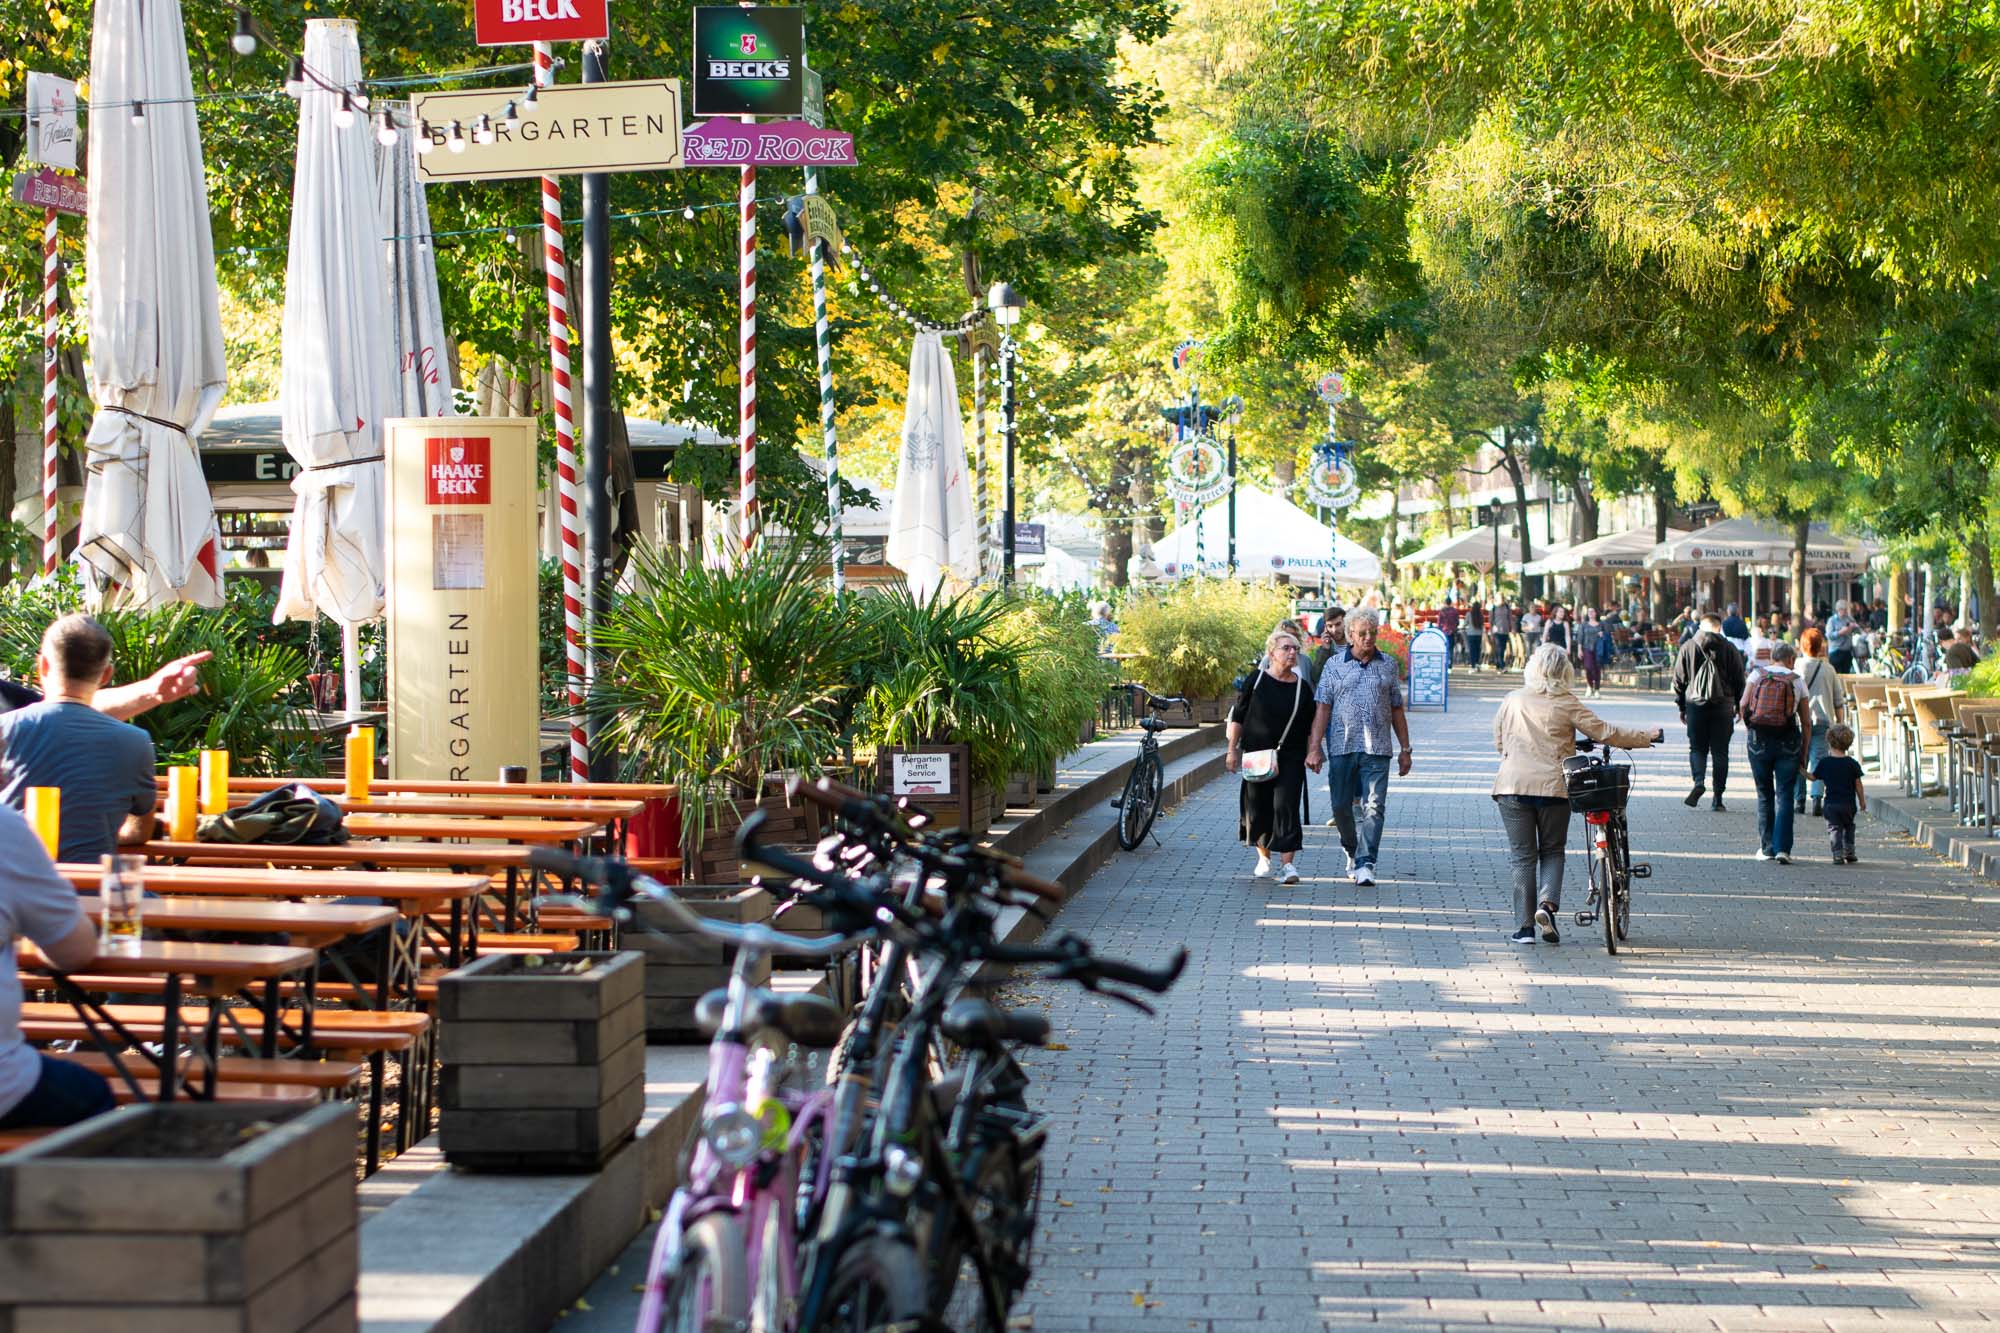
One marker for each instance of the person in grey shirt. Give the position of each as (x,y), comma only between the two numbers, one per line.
(1360,698)
(103,767)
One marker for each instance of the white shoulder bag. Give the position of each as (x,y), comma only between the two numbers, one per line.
(1262,765)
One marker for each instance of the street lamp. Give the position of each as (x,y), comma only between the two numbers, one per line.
(1005,306)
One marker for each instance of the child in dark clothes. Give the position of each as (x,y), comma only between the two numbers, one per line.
(1841,777)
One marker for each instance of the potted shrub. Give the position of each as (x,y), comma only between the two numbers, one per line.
(223,1215)
(1197,638)
(721,678)
(1056,651)
(682,966)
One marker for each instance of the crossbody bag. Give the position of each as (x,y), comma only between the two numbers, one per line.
(1262,765)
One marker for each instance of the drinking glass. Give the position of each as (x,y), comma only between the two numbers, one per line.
(121,883)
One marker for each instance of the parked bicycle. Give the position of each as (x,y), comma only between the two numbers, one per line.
(1139,806)
(1599,789)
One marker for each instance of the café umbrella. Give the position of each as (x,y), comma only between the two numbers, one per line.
(416,315)
(337,380)
(932,527)
(148,534)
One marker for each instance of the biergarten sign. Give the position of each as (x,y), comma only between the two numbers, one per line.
(1197,471)
(749,60)
(520,22)
(50,189)
(633,125)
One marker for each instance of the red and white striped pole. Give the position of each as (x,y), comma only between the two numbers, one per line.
(747,395)
(51,525)
(566,460)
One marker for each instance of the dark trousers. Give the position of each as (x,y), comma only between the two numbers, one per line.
(1270,810)
(1709,733)
(1473,642)
(1537,836)
(1840,829)
(65,1094)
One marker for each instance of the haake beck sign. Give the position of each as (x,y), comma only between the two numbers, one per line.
(458,470)
(518,22)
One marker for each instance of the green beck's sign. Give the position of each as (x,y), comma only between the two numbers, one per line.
(749,61)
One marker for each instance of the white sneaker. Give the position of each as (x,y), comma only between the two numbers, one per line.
(1763,855)
(1364,874)
(1290,875)
(1263,870)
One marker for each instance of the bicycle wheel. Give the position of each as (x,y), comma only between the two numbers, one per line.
(1601,888)
(710,1293)
(1005,1196)
(878,1286)
(1141,804)
(1623,916)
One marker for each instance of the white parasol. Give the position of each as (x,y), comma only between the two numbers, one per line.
(156,359)
(1273,536)
(1751,541)
(932,526)
(416,314)
(338,375)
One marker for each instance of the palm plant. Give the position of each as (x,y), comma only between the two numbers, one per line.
(1056,651)
(717,676)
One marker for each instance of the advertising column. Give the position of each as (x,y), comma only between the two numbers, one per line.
(464,655)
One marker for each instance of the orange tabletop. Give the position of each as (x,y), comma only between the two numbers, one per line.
(211,962)
(484,807)
(501,830)
(415,891)
(315,922)
(612,791)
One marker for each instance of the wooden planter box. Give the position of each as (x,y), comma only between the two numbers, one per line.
(714,860)
(967,804)
(1020,793)
(544,1068)
(183,1216)
(682,966)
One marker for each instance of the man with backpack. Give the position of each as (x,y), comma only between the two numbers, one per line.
(1778,712)
(1708,683)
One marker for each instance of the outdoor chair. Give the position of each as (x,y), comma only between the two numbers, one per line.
(1868,698)
(1962,737)
(1988,759)
(1929,710)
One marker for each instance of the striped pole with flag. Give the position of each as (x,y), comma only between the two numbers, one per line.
(51,364)
(747,392)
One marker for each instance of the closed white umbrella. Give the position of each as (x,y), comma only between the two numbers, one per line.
(932,526)
(338,375)
(416,314)
(156,361)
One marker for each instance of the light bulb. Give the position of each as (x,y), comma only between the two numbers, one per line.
(138,113)
(533,95)
(456,139)
(385,130)
(295,77)
(510,115)
(688,212)
(343,115)
(424,141)
(482,129)
(245,41)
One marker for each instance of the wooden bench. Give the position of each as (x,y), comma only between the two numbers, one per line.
(11,1139)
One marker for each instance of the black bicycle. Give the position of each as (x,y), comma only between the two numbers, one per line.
(1599,788)
(1140,805)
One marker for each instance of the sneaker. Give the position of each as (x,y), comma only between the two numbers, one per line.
(1783,858)
(1852,858)
(1364,874)
(1694,797)
(1263,870)
(1718,807)
(1525,935)
(1545,921)
(1763,855)
(1289,876)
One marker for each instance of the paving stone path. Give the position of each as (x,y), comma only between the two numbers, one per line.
(1365,1106)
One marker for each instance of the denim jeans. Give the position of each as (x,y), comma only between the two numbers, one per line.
(1362,777)
(1537,839)
(65,1094)
(1808,785)
(1774,767)
(1840,829)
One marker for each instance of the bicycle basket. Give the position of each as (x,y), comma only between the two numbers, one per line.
(1596,786)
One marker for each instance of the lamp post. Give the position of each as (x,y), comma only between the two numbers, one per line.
(1006,306)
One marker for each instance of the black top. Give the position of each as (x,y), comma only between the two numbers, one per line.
(1841,776)
(15,695)
(1729,672)
(1556,631)
(1262,709)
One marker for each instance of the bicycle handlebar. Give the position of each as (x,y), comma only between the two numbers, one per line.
(859,807)
(1159,702)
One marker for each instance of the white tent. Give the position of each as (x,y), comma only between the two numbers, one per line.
(1474,546)
(156,353)
(1273,536)
(1751,541)
(1059,571)
(338,374)
(1609,554)
(932,527)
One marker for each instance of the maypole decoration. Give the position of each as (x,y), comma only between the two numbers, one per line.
(823,236)
(985,340)
(557,271)
(51,522)
(1197,474)
(51,144)
(1331,479)
(746,455)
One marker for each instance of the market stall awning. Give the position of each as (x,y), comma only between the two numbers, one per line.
(1610,554)
(1753,541)
(1474,546)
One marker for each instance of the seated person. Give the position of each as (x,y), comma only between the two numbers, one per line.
(35,1090)
(103,767)
(176,680)
(1961,654)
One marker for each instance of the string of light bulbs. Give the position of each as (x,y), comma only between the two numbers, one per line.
(864,276)
(1100,496)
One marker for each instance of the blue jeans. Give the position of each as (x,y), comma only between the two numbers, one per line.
(65,1094)
(1362,777)
(1809,785)
(1774,767)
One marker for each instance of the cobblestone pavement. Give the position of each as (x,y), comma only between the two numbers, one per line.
(1363,1105)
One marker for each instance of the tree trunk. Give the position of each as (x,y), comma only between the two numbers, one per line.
(1979,555)
(1661,503)
(1519,476)
(1586,511)
(1283,473)
(1801,533)
(1145,526)
(1443,485)
(1389,531)
(1116,551)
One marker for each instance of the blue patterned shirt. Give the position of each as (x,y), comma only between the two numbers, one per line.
(1363,696)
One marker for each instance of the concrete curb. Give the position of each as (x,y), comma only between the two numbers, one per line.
(1932,824)
(451,1250)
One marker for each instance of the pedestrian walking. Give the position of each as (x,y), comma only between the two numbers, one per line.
(1822,684)
(1447,623)
(1779,718)
(1502,622)
(1475,634)
(1708,683)
(1594,649)
(1841,777)
(1269,731)
(1359,712)
(1534,731)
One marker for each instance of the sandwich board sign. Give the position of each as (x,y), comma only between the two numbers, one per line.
(1430,670)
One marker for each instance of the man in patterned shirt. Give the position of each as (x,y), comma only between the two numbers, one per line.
(1360,697)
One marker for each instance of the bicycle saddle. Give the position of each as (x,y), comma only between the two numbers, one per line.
(1153,723)
(809,1020)
(975,1023)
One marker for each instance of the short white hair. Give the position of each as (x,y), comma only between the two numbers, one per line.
(1549,671)
(1278,636)
(1372,619)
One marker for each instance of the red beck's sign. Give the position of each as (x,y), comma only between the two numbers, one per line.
(458,470)
(518,22)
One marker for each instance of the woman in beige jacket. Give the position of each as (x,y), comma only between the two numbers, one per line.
(1534,731)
